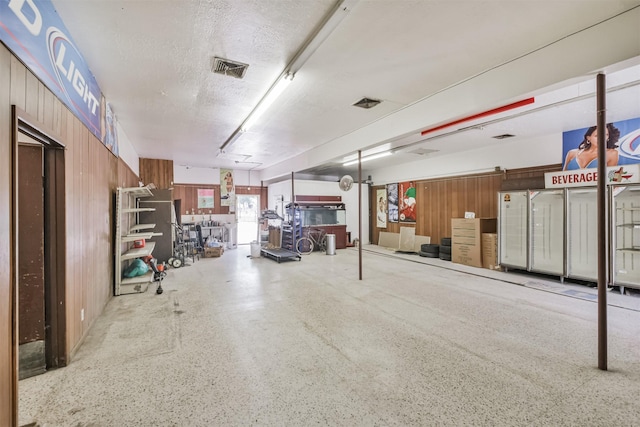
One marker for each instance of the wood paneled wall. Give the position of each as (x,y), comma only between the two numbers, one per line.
(8,373)
(439,200)
(92,173)
(527,178)
(188,194)
(158,172)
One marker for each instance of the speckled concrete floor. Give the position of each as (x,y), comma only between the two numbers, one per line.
(236,341)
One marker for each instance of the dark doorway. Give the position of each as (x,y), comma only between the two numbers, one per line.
(39,247)
(31,279)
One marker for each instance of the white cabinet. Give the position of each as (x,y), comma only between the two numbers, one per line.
(128,230)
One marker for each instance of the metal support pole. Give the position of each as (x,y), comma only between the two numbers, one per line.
(360,214)
(602,225)
(292,188)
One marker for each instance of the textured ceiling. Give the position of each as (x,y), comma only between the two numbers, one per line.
(152,60)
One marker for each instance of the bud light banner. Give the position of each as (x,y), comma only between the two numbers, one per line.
(35,33)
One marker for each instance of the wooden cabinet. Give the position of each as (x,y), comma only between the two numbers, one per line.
(341,234)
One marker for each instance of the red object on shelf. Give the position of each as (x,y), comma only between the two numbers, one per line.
(138,243)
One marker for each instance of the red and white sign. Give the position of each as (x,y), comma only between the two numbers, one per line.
(588,177)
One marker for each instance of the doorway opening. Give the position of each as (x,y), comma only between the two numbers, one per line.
(247,212)
(38,258)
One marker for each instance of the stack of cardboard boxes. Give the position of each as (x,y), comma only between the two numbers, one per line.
(474,242)
(213,252)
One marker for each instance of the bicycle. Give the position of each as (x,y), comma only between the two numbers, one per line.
(313,238)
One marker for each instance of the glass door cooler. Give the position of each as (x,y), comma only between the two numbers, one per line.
(513,217)
(547,232)
(625,235)
(582,236)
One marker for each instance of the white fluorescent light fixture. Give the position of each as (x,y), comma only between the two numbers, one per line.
(366,159)
(266,102)
(340,10)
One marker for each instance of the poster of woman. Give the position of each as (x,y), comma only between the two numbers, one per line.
(622,139)
(381,208)
(392,202)
(227,188)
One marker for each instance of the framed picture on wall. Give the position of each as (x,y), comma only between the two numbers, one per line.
(407,206)
(205,198)
(381,208)
(392,202)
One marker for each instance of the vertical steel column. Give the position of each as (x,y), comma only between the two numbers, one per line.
(360,215)
(602,226)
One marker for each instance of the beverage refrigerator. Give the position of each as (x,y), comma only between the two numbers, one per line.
(513,229)
(582,234)
(547,220)
(624,204)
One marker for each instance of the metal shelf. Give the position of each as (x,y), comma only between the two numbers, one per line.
(136,236)
(139,252)
(127,231)
(139,227)
(134,210)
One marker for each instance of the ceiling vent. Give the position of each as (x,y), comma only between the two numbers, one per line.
(503,136)
(228,67)
(367,103)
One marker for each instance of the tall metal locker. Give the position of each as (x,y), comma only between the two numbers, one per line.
(513,217)
(582,236)
(547,232)
(625,210)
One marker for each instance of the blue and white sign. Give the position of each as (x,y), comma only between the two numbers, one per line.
(35,33)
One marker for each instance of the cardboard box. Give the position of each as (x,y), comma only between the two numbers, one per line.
(466,239)
(213,252)
(490,250)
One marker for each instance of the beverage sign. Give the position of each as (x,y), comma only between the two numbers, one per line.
(35,33)
(623,174)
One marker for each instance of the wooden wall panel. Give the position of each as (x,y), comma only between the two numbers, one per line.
(527,178)
(158,172)
(439,200)
(92,173)
(8,372)
(188,194)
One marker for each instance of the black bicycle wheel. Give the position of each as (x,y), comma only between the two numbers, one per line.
(304,246)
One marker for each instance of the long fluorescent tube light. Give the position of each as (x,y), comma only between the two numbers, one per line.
(266,102)
(340,10)
(366,159)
